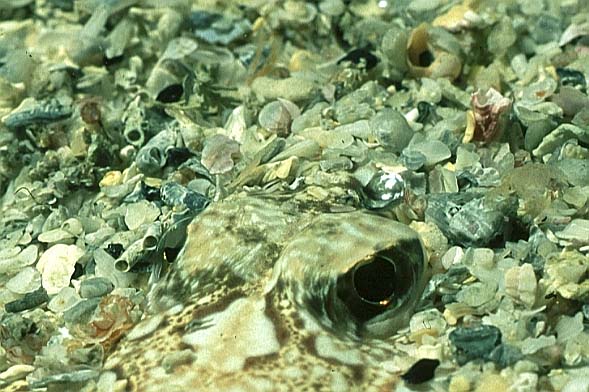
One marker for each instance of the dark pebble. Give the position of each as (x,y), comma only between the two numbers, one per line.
(81,312)
(505,355)
(475,343)
(421,371)
(29,301)
(356,55)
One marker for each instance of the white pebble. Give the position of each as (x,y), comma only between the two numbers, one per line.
(25,281)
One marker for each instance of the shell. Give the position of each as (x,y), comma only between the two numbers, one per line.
(426,59)
(277,116)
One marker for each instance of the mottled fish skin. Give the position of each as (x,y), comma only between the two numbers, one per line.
(250,304)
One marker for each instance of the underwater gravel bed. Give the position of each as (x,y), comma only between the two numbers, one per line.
(290,195)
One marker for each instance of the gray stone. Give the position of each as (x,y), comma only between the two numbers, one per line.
(95,287)
(391,130)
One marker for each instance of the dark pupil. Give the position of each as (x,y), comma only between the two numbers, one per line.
(374,282)
(371,288)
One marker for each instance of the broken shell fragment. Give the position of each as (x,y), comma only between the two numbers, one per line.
(152,157)
(490,110)
(218,153)
(57,265)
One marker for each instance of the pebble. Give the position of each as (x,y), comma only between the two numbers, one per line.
(95,287)
(64,300)
(29,301)
(568,327)
(459,383)
(55,235)
(492,383)
(81,312)
(520,283)
(476,294)
(474,343)
(577,231)
(76,376)
(16,372)
(140,213)
(558,137)
(577,385)
(434,151)
(421,371)
(533,345)
(218,154)
(57,264)
(13,259)
(391,130)
(27,280)
(277,116)
(292,88)
(452,256)
(145,327)
(505,355)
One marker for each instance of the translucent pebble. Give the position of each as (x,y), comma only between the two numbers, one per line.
(476,294)
(99,236)
(568,328)
(57,266)
(577,384)
(434,151)
(325,139)
(25,281)
(95,287)
(28,255)
(431,320)
(577,230)
(520,283)
(532,345)
(106,382)
(452,256)
(413,159)
(391,130)
(65,299)
(140,213)
(145,327)
(217,154)
(13,259)
(55,235)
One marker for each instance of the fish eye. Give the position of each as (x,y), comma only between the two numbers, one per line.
(374,286)
(358,274)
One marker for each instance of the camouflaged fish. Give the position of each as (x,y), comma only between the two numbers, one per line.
(269,294)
